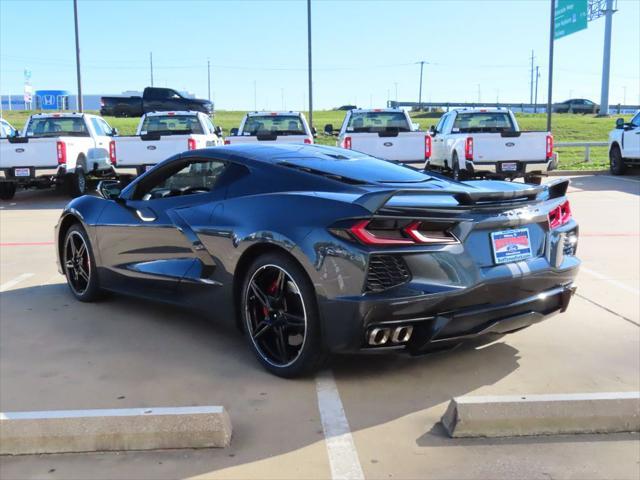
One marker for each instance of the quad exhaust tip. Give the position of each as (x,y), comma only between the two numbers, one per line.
(380,336)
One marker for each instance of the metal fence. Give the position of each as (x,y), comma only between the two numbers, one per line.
(586,145)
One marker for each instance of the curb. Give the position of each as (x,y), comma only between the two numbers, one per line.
(560,173)
(522,415)
(63,431)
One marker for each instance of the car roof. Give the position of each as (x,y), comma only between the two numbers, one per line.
(174,112)
(274,152)
(481,110)
(273,114)
(376,110)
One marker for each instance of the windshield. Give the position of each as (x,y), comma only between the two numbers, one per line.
(57,126)
(378,122)
(483,122)
(273,125)
(171,125)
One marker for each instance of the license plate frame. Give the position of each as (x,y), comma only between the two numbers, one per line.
(22,172)
(509,166)
(513,245)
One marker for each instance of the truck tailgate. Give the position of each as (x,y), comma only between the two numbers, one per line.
(528,146)
(405,146)
(134,151)
(36,152)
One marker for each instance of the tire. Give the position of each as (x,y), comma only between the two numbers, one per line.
(7,190)
(280,318)
(76,183)
(616,162)
(533,179)
(457,174)
(79,265)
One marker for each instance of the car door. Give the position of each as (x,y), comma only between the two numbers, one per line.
(631,147)
(437,143)
(145,244)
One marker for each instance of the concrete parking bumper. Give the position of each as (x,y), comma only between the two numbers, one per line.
(62,431)
(520,415)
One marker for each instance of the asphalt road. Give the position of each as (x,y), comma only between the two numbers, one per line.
(56,353)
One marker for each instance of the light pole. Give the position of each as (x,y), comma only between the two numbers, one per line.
(552,27)
(535,106)
(209,79)
(606,60)
(151,67)
(310,63)
(421,62)
(75,20)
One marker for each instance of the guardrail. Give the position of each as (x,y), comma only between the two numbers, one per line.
(586,145)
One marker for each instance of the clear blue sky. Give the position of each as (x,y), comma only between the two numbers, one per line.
(361,50)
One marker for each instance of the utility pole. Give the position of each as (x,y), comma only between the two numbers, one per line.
(535,107)
(552,27)
(310,63)
(421,62)
(606,60)
(209,79)
(75,20)
(531,89)
(151,66)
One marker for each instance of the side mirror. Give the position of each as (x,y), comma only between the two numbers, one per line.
(620,123)
(233,132)
(218,130)
(432,130)
(110,189)
(314,132)
(328,129)
(114,132)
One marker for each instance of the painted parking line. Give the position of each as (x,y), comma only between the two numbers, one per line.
(24,244)
(611,281)
(343,456)
(12,283)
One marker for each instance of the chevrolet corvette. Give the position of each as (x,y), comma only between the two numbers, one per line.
(311,250)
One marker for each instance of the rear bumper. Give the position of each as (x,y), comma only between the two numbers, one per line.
(50,174)
(523,168)
(444,320)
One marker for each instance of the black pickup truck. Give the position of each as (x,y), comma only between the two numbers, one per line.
(152,100)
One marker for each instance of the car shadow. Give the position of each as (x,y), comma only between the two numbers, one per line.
(58,353)
(40,199)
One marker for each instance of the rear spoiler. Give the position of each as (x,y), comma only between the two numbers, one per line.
(374,201)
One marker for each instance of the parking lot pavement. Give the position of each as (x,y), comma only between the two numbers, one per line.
(56,353)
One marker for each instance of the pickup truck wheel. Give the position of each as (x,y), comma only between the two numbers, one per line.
(616,162)
(76,183)
(7,190)
(533,179)
(455,169)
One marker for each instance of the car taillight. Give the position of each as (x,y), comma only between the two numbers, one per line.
(560,215)
(549,146)
(346,143)
(227,142)
(112,152)
(385,232)
(308,141)
(61,150)
(427,147)
(191,144)
(468,149)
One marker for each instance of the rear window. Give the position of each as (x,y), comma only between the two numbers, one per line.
(171,125)
(57,126)
(273,125)
(483,122)
(377,122)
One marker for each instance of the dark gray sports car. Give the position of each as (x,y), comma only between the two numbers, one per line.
(312,250)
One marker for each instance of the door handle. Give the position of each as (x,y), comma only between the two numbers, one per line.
(145,214)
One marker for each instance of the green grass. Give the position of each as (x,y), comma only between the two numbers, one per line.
(566,128)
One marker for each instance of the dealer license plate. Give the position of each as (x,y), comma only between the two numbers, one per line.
(511,245)
(22,172)
(509,167)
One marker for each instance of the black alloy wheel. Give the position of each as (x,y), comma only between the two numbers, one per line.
(280,317)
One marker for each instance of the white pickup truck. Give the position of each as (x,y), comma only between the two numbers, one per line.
(624,145)
(489,143)
(385,133)
(272,127)
(57,149)
(161,135)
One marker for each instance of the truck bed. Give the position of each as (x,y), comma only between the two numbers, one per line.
(400,146)
(522,146)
